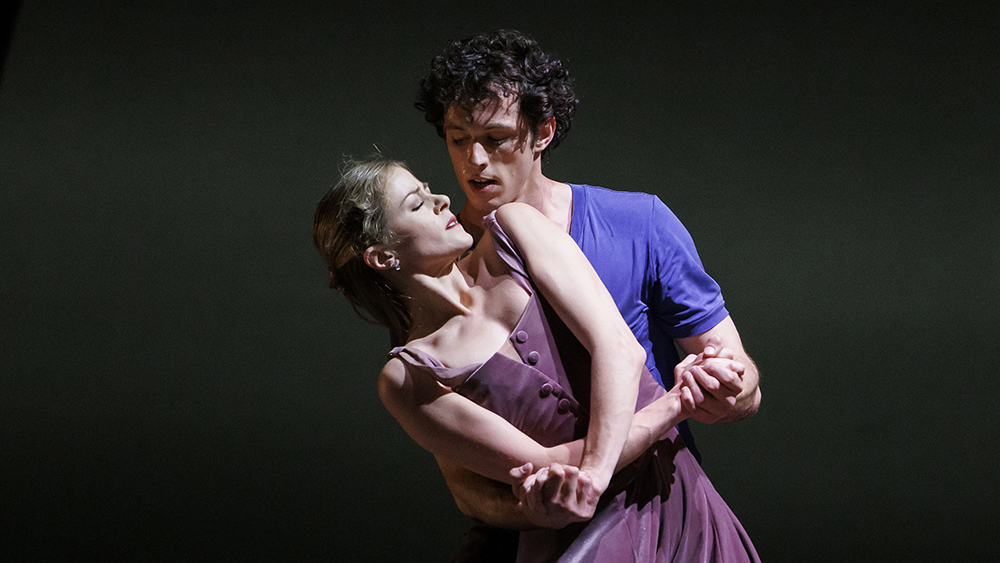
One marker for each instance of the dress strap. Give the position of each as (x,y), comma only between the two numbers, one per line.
(451,377)
(508,252)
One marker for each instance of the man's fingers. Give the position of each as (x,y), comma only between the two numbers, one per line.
(533,489)
(724,374)
(712,346)
(568,491)
(687,399)
(553,483)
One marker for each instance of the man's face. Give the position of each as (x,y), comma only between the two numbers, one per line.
(492,152)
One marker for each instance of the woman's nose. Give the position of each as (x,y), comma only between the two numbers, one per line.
(443,202)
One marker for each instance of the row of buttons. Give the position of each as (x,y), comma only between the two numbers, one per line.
(522,337)
(564,406)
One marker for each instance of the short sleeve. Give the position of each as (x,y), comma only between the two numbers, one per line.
(684,298)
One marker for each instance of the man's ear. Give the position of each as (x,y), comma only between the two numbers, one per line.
(379,257)
(545,133)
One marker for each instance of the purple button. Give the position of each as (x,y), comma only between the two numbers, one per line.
(563,406)
(521,336)
(533,358)
(546,390)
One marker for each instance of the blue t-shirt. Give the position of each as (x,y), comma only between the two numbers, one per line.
(648,262)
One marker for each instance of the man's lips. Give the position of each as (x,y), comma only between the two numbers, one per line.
(481,184)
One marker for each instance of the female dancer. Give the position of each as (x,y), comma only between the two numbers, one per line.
(515,353)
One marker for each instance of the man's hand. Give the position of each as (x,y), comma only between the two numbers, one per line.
(722,342)
(713,379)
(555,496)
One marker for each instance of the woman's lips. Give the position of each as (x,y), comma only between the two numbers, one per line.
(451,223)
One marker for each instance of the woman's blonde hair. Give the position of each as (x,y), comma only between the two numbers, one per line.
(349,219)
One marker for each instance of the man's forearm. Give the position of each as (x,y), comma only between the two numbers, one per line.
(482,498)
(748,401)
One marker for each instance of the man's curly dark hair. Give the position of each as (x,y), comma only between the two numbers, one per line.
(485,68)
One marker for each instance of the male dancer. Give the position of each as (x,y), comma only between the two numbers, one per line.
(501,104)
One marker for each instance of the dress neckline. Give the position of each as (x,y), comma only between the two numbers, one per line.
(455,376)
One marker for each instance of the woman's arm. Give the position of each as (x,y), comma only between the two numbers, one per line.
(558,495)
(477,449)
(496,504)
(569,283)
(451,426)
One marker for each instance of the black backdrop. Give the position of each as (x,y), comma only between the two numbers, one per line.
(179,384)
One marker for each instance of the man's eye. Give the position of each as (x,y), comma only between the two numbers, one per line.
(495,140)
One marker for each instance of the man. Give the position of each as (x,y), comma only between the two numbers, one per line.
(501,104)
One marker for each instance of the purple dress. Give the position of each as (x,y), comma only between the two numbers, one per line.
(661,507)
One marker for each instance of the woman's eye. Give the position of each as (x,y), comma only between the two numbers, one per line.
(419,205)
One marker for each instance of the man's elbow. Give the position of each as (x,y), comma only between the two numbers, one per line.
(464,506)
(754,403)
(750,404)
(747,407)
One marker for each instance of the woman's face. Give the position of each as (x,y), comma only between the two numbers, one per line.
(425,232)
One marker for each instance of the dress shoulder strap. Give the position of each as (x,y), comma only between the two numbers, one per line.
(451,377)
(508,252)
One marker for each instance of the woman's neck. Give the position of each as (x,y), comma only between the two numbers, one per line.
(435,299)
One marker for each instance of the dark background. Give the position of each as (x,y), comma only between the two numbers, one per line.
(179,384)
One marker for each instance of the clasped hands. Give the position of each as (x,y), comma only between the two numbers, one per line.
(706,386)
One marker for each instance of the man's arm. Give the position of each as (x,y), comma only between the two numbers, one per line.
(551,504)
(482,498)
(716,407)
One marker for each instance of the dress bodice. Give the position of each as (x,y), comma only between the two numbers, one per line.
(659,508)
(547,393)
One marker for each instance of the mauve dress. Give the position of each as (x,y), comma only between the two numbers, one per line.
(662,507)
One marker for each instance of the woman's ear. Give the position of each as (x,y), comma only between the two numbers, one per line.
(379,257)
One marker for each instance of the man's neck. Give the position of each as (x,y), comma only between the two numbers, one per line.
(553,199)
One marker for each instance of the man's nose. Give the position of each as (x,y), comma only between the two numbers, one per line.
(477,154)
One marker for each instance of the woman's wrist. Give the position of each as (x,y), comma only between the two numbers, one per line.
(663,414)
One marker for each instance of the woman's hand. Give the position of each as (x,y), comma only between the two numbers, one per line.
(557,495)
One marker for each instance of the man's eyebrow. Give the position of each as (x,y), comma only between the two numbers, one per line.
(489,126)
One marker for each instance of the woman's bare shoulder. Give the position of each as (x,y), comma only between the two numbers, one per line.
(392,379)
(401,384)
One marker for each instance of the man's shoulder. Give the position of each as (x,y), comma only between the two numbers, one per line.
(616,205)
(601,193)
(605,201)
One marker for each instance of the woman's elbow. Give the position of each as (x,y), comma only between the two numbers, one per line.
(633,353)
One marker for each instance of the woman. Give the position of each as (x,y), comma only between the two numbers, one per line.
(515,353)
